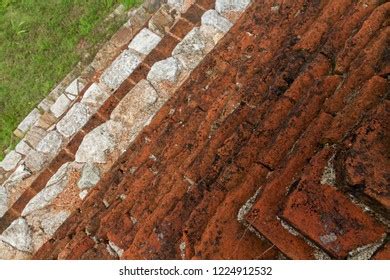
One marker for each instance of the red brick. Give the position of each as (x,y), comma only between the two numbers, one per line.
(63,157)
(327,216)
(383,253)
(75,142)
(123,89)
(140,73)
(206,4)
(181,28)
(42,179)
(166,45)
(193,14)
(7,219)
(22,201)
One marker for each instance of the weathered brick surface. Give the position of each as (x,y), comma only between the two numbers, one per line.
(284,111)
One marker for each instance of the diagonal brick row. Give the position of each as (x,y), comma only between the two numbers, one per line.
(273,147)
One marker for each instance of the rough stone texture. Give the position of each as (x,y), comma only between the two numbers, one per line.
(181,5)
(51,222)
(165,76)
(120,69)
(50,144)
(145,41)
(90,175)
(75,119)
(192,49)
(94,97)
(18,235)
(231,9)
(22,148)
(73,90)
(3,201)
(53,188)
(60,106)
(35,135)
(213,19)
(10,161)
(21,173)
(35,161)
(135,104)
(99,142)
(46,121)
(25,125)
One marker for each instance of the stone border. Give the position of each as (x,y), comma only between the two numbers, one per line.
(137,93)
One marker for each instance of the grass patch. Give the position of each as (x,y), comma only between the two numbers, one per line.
(40,42)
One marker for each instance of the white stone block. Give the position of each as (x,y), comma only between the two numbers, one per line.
(51,143)
(121,69)
(165,76)
(73,90)
(74,120)
(213,19)
(28,122)
(136,103)
(18,235)
(97,144)
(10,161)
(22,148)
(53,188)
(60,106)
(145,41)
(94,97)
(231,9)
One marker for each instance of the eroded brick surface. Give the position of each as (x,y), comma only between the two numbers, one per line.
(280,132)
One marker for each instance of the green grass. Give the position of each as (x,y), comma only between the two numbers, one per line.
(40,42)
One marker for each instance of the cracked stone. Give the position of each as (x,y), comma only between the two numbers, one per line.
(120,69)
(90,175)
(18,235)
(17,176)
(145,41)
(164,75)
(10,161)
(94,97)
(73,90)
(74,120)
(53,188)
(99,142)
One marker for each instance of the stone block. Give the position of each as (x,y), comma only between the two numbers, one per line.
(120,69)
(28,122)
(94,97)
(10,161)
(231,9)
(18,235)
(165,75)
(60,106)
(74,89)
(90,175)
(144,42)
(74,120)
